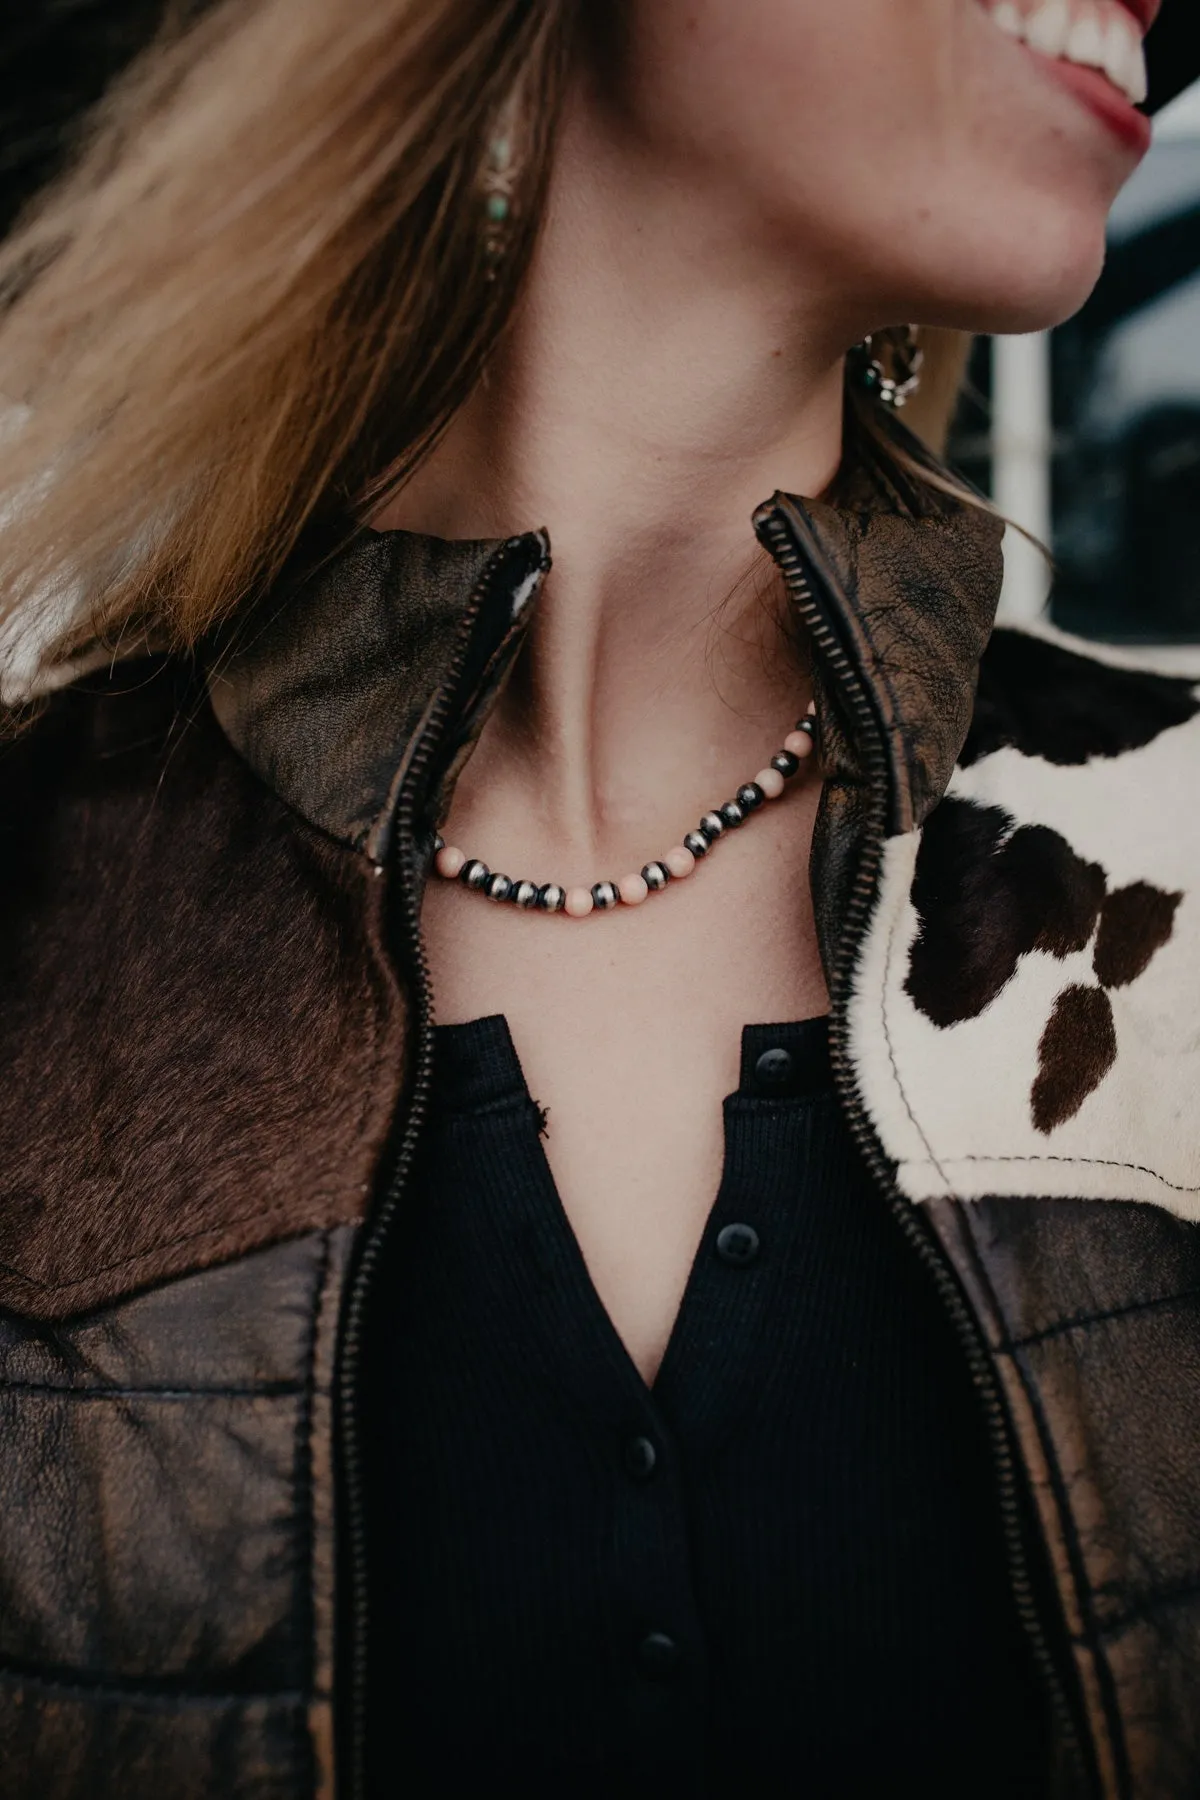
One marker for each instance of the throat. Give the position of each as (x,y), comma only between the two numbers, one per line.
(628,716)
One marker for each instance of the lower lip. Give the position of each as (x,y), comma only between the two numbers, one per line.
(1103,100)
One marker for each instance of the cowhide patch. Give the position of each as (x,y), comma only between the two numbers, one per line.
(988,892)
(1046,699)
(1026,1012)
(1077,1049)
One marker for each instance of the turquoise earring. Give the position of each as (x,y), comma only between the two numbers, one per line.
(498,183)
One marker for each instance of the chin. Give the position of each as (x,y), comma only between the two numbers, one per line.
(1031,286)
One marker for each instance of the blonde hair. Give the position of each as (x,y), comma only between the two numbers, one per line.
(262,292)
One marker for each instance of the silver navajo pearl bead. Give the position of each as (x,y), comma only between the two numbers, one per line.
(677,864)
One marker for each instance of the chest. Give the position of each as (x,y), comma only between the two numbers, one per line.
(627,1026)
(794,1525)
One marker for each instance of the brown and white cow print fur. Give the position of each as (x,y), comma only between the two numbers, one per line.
(1026,1011)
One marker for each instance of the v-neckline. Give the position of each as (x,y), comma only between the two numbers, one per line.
(722,1302)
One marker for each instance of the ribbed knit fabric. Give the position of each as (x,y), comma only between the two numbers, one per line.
(805,1595)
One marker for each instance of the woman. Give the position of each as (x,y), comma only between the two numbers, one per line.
(389,1407)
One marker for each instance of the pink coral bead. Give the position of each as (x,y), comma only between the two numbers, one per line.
(799,743)
(679,861)
(450,861)
(771,783)
(632,889)
(579,902)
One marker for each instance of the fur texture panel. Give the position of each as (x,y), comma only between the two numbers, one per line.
(1026,1014)
(202,1038)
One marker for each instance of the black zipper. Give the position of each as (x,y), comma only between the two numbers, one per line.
(351,1709)
(408,874)
(779,536)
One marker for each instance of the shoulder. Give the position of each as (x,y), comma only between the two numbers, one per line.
(1029,985)
(188,972)
(121,796)
(1065,702)
(93,760)
(1095,750)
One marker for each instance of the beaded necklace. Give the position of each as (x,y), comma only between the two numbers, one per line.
(453,864)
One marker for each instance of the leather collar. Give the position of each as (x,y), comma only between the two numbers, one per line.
(324,690)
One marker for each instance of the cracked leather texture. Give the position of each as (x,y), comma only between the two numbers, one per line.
(910,599)
(164,1538)
(325,690)
(1092,1313)
(915,601)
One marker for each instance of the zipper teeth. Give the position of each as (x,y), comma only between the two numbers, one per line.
(916,1232)
(409,910)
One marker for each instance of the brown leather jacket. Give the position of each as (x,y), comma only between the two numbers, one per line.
(214,1055)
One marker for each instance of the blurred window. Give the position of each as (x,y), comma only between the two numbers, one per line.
(1112,464)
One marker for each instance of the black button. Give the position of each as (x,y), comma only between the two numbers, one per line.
(774,1069)
(737,1245)
(641,1458)
(658,1655)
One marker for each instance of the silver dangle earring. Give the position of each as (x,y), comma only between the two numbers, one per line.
(897,379)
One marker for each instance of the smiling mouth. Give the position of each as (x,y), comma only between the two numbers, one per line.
(1104,35)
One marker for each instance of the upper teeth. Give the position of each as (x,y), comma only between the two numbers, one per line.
(1094,33)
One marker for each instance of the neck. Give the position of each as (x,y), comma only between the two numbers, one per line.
(662,376)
